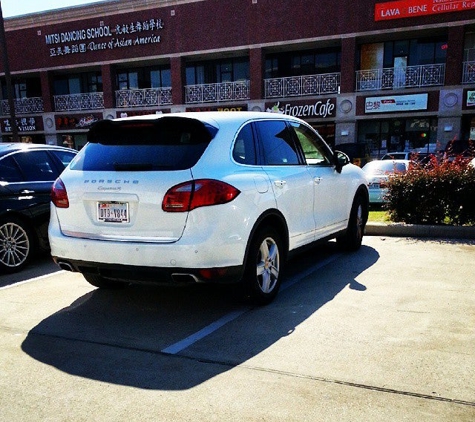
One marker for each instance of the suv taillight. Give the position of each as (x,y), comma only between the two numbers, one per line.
(198,193)
(59,196)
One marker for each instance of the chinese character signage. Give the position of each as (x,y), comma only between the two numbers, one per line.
(104,37)
(23,124)
(415,8)
(76,122)
(396,103)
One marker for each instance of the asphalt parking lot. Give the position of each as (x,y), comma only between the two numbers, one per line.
(386,333)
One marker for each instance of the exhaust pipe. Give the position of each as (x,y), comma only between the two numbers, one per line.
(65,266)
(185,278)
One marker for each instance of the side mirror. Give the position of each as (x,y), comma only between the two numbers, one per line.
(340,160)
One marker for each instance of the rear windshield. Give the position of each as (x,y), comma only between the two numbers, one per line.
(168,143)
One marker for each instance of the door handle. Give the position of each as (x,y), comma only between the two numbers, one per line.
(317,180)
(280,183)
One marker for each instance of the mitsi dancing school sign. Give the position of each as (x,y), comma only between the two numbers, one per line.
(415,8)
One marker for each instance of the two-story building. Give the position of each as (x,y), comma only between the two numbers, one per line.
(376,76)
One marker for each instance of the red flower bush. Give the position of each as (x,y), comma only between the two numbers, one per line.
(442,191)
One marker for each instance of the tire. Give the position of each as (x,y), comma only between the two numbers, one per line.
(264,265)
(16,245)
(351,240)
(103,283)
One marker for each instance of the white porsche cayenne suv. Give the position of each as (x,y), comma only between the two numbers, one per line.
(202,197)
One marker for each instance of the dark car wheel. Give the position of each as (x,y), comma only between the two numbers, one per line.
(103,283)
(16,244)
(351,240)
(263,273)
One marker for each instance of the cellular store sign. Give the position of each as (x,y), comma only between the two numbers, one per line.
(415,8)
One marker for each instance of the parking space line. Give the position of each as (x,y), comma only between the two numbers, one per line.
(30,280)
(188,341)
(183,344)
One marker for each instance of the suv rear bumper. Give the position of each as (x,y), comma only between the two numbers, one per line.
(152,275)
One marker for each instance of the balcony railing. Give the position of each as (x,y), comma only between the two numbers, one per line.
(73,102)
(148,97)
(297,86)
(215,93)
(400,77)
(24,106)
(468,76)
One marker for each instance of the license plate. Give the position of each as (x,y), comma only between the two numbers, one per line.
(113,212)
(374,186)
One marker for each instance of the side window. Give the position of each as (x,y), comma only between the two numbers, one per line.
(37,166)
(64,156)
(9,171)
(313,147)
(277,143)
(244,150)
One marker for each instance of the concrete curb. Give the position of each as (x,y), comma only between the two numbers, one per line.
(415,230)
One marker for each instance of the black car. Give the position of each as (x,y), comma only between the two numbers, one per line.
(27,172)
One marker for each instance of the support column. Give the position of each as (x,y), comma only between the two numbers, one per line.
(256,70)
(454,61)
(47,91)
(108,85)
(348,65)
(177,67)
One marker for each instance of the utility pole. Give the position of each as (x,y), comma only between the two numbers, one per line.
(8,77)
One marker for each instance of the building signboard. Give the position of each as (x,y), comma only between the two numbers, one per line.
(24,124)
(76,122)
(396,103)
(104,37)
(135,113)
(323,108)
(236,107)
(416,8)
(470,98)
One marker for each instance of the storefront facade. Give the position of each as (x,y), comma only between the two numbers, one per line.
(394,76)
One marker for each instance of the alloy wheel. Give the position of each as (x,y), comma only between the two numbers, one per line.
(14,245)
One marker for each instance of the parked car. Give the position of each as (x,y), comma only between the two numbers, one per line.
(431,148)
(202,197)
(463,149)
(397,156)
(378,172)
(27,173)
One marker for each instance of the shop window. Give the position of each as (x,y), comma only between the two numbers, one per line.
(156,77)
(413,52)
(469,47)
(94,82)
(272,68)
(217,71)
(23,88)
(372,56)
(160,78)
(77,83)
(397,135)
(303,63)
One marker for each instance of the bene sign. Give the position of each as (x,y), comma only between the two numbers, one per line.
(415,8)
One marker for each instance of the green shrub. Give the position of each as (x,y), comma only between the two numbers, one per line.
(440,192)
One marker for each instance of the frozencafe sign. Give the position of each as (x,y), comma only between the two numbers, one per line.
(415,8)
(396,103)
(104,37)
(319,109)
